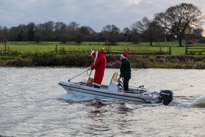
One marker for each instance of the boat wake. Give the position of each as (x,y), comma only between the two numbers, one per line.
(199,102)
(75,98)
(189,101)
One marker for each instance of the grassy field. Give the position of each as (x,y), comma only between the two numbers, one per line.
(32,47)
(31,54)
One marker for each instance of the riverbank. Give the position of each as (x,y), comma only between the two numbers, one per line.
(85,60)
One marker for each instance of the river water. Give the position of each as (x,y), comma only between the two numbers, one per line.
(33,104)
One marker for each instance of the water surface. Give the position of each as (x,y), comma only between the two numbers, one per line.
(33,104)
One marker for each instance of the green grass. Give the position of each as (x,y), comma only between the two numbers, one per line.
(140,61)
(32,47)
(178,50)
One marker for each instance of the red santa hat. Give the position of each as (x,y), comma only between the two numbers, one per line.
(93,53)
(124,55)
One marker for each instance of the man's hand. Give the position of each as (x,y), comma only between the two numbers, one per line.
(90,49)
(121,78)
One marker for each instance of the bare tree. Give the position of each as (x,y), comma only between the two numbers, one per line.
(4,34)
(72,30)
(149,30)
(86,33)
(30,28)
(49,30)
(126,35)
(134,36)
(61,32)
(111,33)
(180,20)
(46,31)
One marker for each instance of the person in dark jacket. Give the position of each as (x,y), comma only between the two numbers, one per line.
(125,71)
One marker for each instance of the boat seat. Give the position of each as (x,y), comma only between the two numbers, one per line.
(114,77)
(112,85)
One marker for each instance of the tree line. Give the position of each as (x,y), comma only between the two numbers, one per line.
(179,22)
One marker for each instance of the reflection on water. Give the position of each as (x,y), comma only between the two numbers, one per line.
(97,124)
(102,120)
(33,104)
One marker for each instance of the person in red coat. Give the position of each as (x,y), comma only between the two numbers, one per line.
(99,66)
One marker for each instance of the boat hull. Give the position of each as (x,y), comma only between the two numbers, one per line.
(73,88)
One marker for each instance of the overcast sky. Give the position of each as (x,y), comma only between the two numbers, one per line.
(93,13)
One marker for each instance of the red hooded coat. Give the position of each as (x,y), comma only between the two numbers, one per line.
(99,66)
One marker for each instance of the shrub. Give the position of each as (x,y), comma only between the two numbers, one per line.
(46,59)
(19,62)
(2,62)
(112,58)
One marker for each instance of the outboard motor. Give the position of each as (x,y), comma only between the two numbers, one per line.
(166,96)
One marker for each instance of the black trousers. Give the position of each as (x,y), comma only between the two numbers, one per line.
(96,86)
(126,84)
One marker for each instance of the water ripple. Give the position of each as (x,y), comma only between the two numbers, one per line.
(33,104)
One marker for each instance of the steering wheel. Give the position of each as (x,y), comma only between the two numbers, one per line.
(88,72)
(120,83)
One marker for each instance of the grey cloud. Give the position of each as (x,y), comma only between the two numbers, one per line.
(93,13)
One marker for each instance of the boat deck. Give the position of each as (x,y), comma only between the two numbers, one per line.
(131,90)
(84,84)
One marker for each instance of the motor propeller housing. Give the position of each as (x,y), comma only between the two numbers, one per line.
(166,96)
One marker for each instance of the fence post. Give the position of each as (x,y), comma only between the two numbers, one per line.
(56,49)
(185,49)
(2,51)
(5,47)
(170,49)
(160,49)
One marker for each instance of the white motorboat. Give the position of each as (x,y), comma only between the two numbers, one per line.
(115,91)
